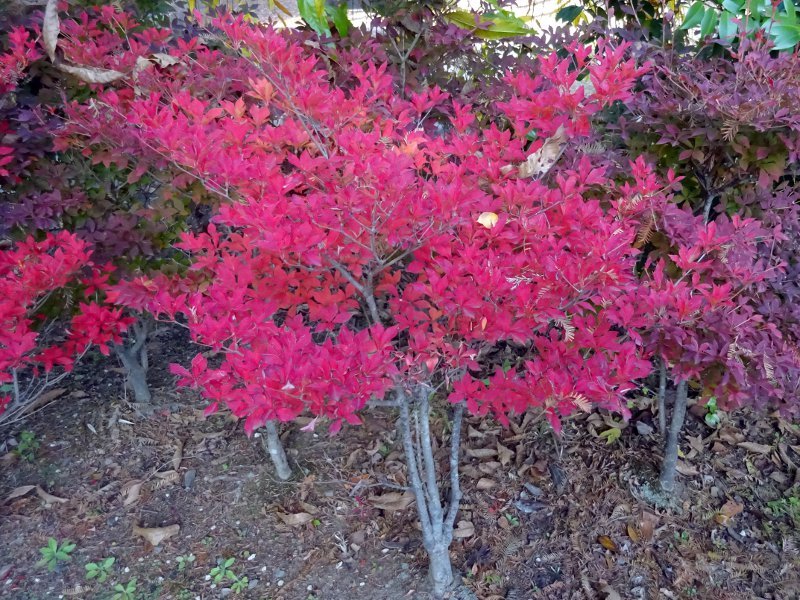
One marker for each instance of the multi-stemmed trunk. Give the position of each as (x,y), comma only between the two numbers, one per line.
(436,520)
(274,447)
(134,358)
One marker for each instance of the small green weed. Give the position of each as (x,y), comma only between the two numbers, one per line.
(27,447)
(100,571)
(125,592)
(55,553)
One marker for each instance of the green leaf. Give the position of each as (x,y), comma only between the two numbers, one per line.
(109,562)
(733,6)
(611,435)
(791,13)
(313,13)
(709,23)
(786,37)
(694,15)
(727,28)
(497,27)
(569,13)
(340,19)
(228,563)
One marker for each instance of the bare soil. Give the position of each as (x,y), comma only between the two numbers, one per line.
(574,517)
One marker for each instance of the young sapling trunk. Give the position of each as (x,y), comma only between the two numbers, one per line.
(668,467)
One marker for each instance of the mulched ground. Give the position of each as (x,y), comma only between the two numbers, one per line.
(542,518)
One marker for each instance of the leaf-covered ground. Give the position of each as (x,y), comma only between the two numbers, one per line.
(541,518)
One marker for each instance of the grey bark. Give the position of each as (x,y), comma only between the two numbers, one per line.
(662,398)
(668,467)
(436,521)
(274,447)
(135,360)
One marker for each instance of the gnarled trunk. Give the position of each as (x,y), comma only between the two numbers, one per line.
(274,447)
(135,360)
(668,467)
(436,521)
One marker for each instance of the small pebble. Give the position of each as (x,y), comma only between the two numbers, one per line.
(280,583)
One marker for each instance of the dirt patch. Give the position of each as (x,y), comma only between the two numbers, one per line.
(541,518)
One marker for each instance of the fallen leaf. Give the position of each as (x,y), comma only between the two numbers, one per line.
(757,448)
(686,469)
(611,593)
(393,500)
(481,452)
(44,399)
(92,74)
(607,543)
(633,534)
(484,483)
(729,510)
(165,60)
(131,491)
(49,498)
(296,519)
(178,456)
(489,468)
(464,529)
(504,454)
(541,161)
(20,491)
(156,535)
(488,219)
(51,27)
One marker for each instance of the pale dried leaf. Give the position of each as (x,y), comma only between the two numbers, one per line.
(165,60)
(541,161)
(488,219)
(754,447)
(489,468)
(178,456)
(481,452)
(686,469)
(92,74)
(504,454)
(464,529)
(44,399)
(611,593)
(729,510)
(393,500)
(164,479)
(484,483)
(49,498)
(142,64)
(131,491)
(20,491)
(296,519)
(156,535)
(51,26)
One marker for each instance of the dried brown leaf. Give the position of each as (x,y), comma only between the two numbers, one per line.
(20,491)
(393,500)
(51,27)
(165,60)
(481,453)
(633,534)
(156,535)
(465,529)
(541,161)
(607,543)
(131,491)
(49,498)
(484,483)
(92,74)
(504,454)
(729,510)
(178,456)
(754,447)
(296,519)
